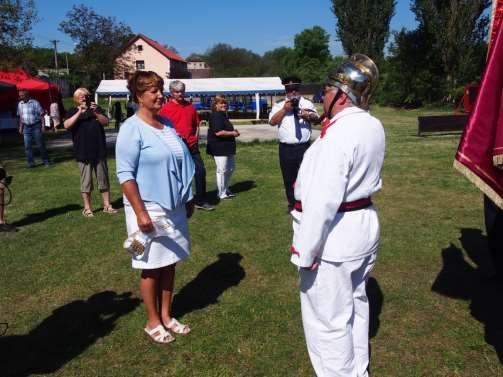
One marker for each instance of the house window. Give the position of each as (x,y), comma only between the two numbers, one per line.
(140,65)
(139,48)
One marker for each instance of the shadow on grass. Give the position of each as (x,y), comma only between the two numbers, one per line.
(37,217)
(242,186)
(376,299)
(65,334)
(118,203)
(209,284)
(59,147)
(235,188)
(459,279)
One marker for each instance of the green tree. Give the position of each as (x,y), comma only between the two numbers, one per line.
(412,74)
(334,63)
(228,61)
(313,43)
(99,40)
(16,20)
(459,28)
(279,62)
(363,25)
(39,57)
(195,57)
(33,58)
(312,54)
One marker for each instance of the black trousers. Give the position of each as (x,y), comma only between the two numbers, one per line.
(199,175)
(494,227)
(290,157)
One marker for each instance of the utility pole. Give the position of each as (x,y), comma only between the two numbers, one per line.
(54,41)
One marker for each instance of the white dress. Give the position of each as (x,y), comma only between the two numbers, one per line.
(163,251)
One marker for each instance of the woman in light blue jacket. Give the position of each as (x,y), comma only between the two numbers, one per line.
(155,171)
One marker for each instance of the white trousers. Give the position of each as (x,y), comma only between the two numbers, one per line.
(225,167)
(335,315)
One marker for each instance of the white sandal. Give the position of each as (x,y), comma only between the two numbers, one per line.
(177,327)
(109,209)
(159,334)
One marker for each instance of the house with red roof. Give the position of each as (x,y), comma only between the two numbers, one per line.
(143,53)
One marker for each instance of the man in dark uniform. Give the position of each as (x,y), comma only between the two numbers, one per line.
(293,117)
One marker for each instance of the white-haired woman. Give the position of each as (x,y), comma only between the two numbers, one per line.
(86,121)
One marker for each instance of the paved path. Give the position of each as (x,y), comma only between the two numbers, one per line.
(249,132)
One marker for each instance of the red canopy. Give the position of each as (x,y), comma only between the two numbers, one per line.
(14,76)
(42,91)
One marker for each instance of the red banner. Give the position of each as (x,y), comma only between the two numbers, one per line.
(480,150)
(497,19)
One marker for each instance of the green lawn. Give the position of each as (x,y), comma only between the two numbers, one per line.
(71,299)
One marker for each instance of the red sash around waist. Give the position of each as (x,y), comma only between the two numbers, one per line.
(345,206)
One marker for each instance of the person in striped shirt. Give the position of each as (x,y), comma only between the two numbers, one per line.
(30,115)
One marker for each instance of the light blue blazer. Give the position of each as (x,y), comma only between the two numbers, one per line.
(142,155)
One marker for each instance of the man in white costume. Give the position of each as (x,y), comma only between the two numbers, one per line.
(336,229)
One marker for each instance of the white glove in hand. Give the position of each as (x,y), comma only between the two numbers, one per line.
(138,242)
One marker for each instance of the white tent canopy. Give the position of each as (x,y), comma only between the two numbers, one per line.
(207,87)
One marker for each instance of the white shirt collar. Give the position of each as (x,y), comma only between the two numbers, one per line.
(347,111)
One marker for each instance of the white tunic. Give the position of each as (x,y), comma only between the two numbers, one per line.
(286,128)
(343,166)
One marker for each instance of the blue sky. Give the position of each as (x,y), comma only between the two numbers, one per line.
(196,25)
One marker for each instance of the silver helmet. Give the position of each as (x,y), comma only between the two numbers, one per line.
(357,78)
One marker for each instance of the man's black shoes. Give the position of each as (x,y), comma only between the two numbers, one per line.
(204,206)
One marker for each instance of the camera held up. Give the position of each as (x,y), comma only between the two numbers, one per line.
(295,104)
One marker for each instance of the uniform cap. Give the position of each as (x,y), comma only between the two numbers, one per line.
(291,80)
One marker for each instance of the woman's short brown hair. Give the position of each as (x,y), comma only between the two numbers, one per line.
(216,101)
(141,81)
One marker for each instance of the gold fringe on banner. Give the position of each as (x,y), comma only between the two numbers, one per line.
(475,179)
(498,161)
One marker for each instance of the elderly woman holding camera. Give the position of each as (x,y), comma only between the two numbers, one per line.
(86,121)
(155,171)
